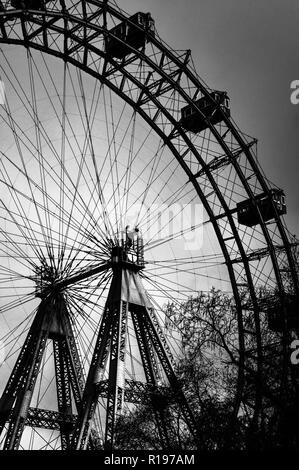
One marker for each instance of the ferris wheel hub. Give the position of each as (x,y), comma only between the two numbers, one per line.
(123,257)
(45,278)
(129,250)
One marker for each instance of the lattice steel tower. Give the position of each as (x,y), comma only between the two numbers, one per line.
(102,117)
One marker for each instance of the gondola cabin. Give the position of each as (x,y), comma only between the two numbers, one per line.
(28,4)
(288,310)
(248,214)
(130,34)
(211,107)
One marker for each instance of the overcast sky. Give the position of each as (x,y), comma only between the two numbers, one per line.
(249,48)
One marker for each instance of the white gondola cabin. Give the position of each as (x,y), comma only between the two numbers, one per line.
(212,107)
(133,36)
(268,206)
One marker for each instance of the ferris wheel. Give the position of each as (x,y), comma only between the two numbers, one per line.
(125,185)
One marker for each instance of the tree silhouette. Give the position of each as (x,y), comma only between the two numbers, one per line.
(208,373)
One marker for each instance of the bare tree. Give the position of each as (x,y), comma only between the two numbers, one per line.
(208,373)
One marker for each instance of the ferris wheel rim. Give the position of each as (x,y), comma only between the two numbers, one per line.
(65,15)
(191,74)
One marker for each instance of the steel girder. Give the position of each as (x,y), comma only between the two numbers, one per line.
(51,322)
(111,342)
(81,35)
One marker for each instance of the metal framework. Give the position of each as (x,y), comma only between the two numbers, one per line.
(127,297)
(76,33)
(50,323)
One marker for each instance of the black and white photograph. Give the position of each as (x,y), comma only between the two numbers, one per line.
(149,230)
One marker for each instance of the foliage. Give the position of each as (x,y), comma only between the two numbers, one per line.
(209,372)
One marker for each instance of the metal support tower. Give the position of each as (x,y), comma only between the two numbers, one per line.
(77,404)
(127,297)
(51,322)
